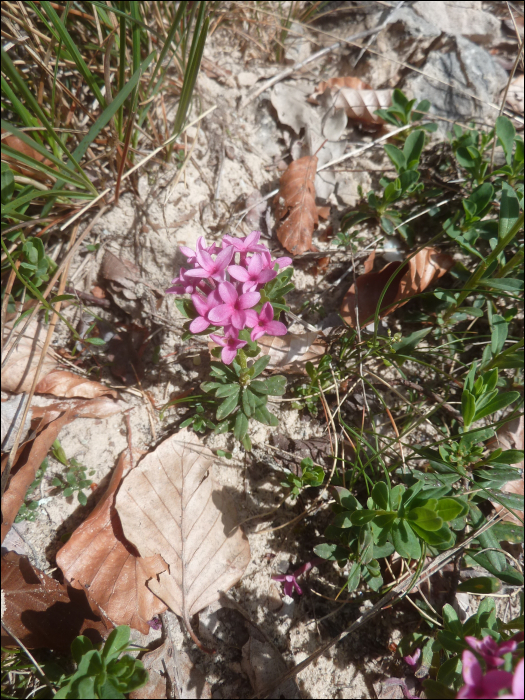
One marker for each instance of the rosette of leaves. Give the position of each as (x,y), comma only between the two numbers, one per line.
(243,396)
(102,674)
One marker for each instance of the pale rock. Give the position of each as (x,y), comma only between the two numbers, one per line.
(461,19)
(247,79)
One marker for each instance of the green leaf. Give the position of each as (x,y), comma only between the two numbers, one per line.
(241,425)
(449,672)
(260,365)
(276,385)
(497,404)
(425,518)
(225,390)
(508,575)
(434,690)
(396,156)
(344,519)
(481,585)
(450,509)
(408,344)
(94,341)
(250,401)
(451,620)
(263,415)
(468,407)
(506,132)
(332,552)
(508,457)
(384,520)
(413,148)
(500,329)
(354,576)
(228,405)
(441,539)
(508,532)
(380,495)
(405,541)
(509,210)
(360,517)
(8,183)
(505,284)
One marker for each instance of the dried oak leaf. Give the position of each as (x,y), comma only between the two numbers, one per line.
(295,205)
(428,265)
(357,98)
(18,145)
(42,612)
(101,407)
(293,350)
(68,385)
(510,437)
(99,557)
(171,505)
(19,371)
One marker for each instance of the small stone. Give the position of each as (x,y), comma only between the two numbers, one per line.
(247,79)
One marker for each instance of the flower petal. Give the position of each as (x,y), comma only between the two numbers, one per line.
(200,304)
(197,272)
(228,355)
(238,273)
(228,293)
(266,314)
(257,332)
(472,672)
(220,314)
(199,324)
(275,328)
(218,339)
(246,301)
(223,259)
(238,318)
(251,318)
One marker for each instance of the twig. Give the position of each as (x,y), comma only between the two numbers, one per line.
(30,656)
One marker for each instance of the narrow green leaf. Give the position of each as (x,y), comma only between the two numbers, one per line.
(227,406)
(360,517)
(509,211)
(468,407)
(481,585)
(380,495)
(506,132)
(500,330)
(260,365)
(263,415)
(225,390)
(413,147)
(241,426)
(354,577)
(497,404)
(396,156)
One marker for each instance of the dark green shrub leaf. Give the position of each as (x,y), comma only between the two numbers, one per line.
(380,495)
(481,585)
(425,518)
(405,540)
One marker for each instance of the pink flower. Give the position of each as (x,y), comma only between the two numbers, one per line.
(203,306)
(482,686)
(490,651)
(235,310)
(209,268)
(412,660)
(245,245)
(266,325)
(253,277)
(201,245)
(290,580)
(517,683)
(230,344)
(182,284)
(282,262)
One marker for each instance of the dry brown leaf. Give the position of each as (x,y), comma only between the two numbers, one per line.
(101,407)
(510,437)
(295,205)
(69,385)
(428,265)
(357,98)
(41,611)
(119,270)
(29,459)
(292,351)
(18,145)
(12,411)
(19,371)
(171,505)
(98,556)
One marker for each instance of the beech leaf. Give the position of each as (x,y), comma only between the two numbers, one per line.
(19,371)
(171,505)
(41,611)
(357,98)
(98,557)
(292,351)
(295,205)
(428,265)
(67,384)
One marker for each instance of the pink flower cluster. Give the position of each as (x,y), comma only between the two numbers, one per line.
(224,292)
(490,684)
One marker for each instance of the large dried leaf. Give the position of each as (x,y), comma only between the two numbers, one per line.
(68,385)
(510,437)
(357,98)
(171,505)
(292,351)
(19,371)
(29,459)
(428,265)
(295,205)
(30,456)
(99,557)
(18,145)
(42,612)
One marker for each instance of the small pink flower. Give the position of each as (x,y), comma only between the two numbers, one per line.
(209,268)
(245,245)
(182,284)
(289,581)
(230,344)
(235,310)
(203,306)
(413,659)
(255,276)
(282,262)
(490,651)
(481,686)
(266,325)
(517,683)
